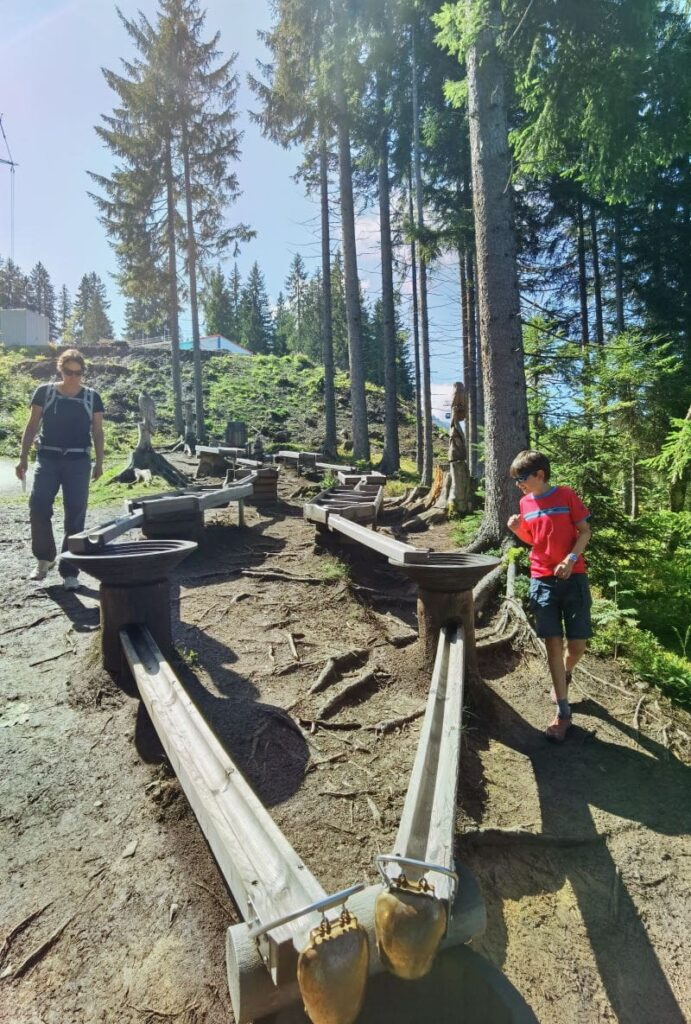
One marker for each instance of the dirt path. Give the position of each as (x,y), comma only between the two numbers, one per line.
(589,919)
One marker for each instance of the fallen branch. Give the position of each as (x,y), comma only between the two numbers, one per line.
(389,724)
(293,666)
(19,928)
(40,951)
(293,647)
(30,625)
(275,574)
(361,683)
(345,794)
(50,657)
(314,766)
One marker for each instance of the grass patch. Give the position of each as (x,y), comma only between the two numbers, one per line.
(464,528)
(332,569)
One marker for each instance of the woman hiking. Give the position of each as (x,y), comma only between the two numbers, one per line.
(68,416)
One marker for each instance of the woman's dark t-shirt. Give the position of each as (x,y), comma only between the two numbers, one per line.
(66,424)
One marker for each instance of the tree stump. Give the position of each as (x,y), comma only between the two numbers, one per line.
(144,456)
(436,609)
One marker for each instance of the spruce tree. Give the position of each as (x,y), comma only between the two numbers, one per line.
(89,322)
(41,296)
(64,311)
(295,286)
(13,286)
(256,327)
(216,305)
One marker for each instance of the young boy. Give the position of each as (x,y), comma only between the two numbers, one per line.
(553,520)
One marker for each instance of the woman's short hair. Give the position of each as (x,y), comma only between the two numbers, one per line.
(530,461)
(71,355)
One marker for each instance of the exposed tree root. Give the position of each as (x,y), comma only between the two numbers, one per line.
(365,681)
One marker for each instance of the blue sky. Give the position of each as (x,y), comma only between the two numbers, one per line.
(52,93)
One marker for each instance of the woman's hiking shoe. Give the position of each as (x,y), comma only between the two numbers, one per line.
(558,729)
(71,583)
(553,692)
(42,569)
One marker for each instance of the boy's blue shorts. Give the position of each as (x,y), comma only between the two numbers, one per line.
(561,607)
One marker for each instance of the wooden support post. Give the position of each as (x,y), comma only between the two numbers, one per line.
(241,513)
(146,604)
(187,527)
(436,609)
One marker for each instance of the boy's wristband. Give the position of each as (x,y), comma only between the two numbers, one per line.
(572,557)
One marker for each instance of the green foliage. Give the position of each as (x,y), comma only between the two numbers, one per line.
(641,652)
(332,569)
(464,529)
(674,459)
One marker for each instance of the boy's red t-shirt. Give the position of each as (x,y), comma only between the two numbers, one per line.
(550,521)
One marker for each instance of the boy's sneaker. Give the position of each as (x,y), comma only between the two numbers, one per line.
(42,569)
(553,692)
(71,583)
(558,729)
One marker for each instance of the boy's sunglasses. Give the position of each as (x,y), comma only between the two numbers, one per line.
(72,373)
(521,478)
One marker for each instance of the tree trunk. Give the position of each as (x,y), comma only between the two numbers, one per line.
(478,421)
(618,274)
(327,324)
(597,281)
(582,276)
(353,314)
(506,412)
(390,462)
(194,305)
(469,361)
(426,396)
(416,336)
(173,294)
(633,484)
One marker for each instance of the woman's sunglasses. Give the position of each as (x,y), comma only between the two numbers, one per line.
(72,373)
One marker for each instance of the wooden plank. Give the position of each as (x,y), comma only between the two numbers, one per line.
(91,540)
(333,467)
(442,822)
(413,828)
(261,868)
(224,495)
(427,826)
(315,513)
(386,546)
(180,504)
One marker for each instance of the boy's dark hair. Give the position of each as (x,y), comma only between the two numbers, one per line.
(529,462)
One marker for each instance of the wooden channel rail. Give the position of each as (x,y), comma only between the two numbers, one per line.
(274,890)
(168,506)
(425,839)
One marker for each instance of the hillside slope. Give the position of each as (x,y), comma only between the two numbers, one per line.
(281,398)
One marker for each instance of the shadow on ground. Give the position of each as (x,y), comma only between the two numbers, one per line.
(586,772)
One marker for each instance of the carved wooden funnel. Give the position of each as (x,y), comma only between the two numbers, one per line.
(135,589)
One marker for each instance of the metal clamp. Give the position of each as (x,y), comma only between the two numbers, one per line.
(329,901)
(391,858)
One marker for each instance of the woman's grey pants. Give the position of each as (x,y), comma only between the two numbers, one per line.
(72,473)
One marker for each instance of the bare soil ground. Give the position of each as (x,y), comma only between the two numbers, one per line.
(112,908)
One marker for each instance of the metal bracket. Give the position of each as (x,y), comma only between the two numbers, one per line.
(391,858)
(336,900)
